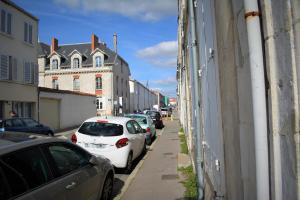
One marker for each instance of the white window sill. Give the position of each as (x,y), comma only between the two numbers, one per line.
(7,35)
(28,44)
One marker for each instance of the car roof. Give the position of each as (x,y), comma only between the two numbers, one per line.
(109,119)
(140,115)
(17,118)
(153,111)
(7,145)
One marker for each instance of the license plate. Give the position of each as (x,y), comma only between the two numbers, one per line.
(96,146)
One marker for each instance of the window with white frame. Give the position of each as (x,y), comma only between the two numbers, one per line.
(6,20)
(98,83)
(98,61)
(8,68)
(76,84)
(54,64)
(55,84)
(28,32)
(100,103)
(76,63)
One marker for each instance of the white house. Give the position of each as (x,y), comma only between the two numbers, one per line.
(18,65)
(90,68)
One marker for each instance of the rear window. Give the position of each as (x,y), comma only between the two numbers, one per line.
(139,119)
(101,129)
(153,113)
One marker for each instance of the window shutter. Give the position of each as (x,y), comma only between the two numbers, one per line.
(27,73)
(36,74)
(15,69)
(4,67)
(32,72)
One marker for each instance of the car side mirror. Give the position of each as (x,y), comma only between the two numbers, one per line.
(39,125)
(144,131)
(93,160)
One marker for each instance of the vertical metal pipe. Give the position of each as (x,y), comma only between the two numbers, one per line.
(196,103)
(258,98)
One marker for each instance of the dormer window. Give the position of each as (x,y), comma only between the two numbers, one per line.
(76,63)
(98,61)
(54,64)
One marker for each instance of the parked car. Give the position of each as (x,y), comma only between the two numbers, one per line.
(147,124)
(27,125)
(156,117)
(49,168)
(164,112)
(119,139)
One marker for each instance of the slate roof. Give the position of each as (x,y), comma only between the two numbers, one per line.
(43,49)
(83,48)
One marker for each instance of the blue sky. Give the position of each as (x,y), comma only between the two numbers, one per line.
(147,32)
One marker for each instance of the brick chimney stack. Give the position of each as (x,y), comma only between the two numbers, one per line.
(116,42)
(94,42)
(54,44)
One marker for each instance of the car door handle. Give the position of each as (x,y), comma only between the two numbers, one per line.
(71,186)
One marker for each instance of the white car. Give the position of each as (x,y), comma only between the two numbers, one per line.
(119,139)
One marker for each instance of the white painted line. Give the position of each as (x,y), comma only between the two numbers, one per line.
(136,170)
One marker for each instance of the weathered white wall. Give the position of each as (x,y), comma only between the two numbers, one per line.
(74,108)
(141,97)
(280,43)
(226,99)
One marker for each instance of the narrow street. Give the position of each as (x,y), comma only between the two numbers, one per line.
(154,175)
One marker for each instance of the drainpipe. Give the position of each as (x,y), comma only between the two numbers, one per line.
(258,99)
(194,70)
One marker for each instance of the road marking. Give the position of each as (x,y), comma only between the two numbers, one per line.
(136,170)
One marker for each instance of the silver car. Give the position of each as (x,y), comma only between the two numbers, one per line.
(51,168)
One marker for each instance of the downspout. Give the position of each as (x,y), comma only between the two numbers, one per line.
(258,98)
(296,27)
(194,70)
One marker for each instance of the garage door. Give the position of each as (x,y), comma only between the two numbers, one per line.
(49,113)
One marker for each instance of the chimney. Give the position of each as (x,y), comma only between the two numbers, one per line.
(54,44)
(115,42)
(94,42)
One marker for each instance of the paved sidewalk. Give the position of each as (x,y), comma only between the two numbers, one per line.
(158,177)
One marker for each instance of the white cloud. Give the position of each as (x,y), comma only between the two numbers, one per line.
(163,54)
(147,10)
(168,48)
(167,81)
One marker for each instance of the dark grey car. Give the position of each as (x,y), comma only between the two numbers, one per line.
(50,168)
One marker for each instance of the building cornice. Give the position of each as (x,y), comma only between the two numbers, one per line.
(63,72)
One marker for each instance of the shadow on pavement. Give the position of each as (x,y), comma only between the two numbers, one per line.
(118,185)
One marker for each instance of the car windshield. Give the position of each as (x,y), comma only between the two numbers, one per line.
(101,129)
(140,119)
(152,113)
